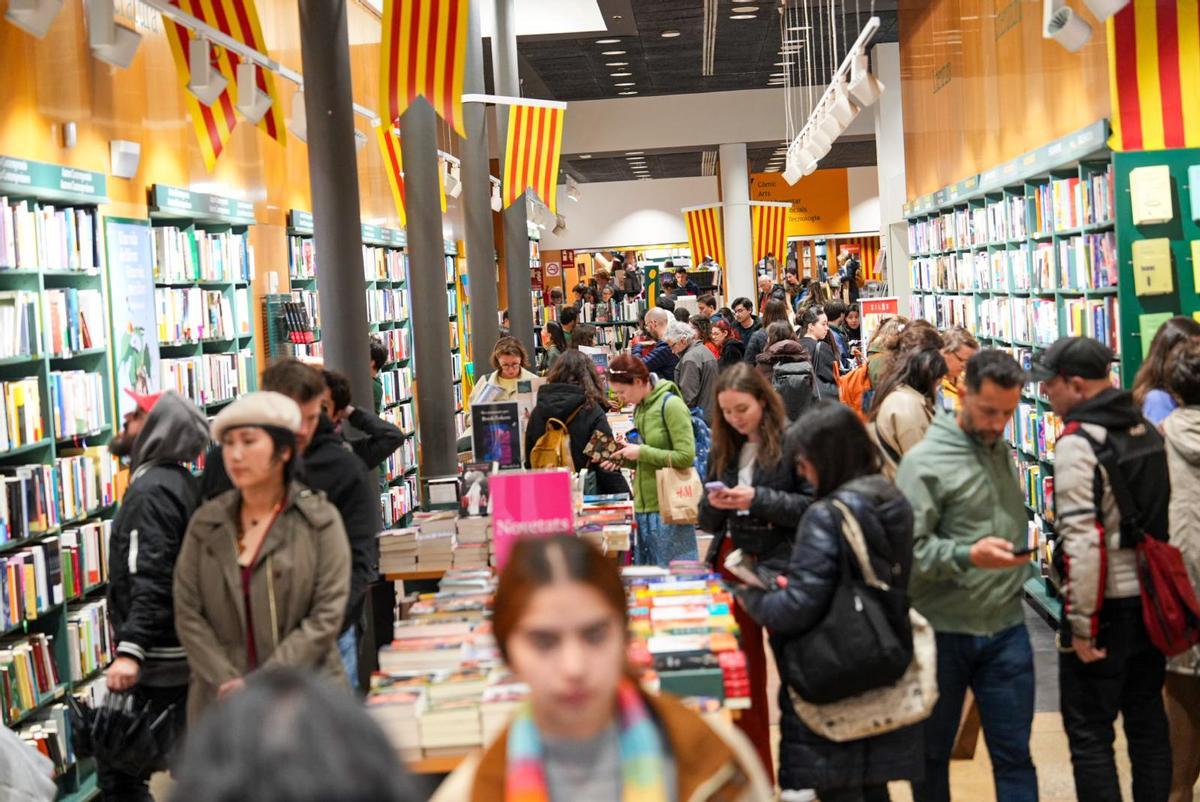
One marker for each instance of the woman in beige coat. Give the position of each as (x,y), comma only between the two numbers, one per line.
(904,404)
(264,572)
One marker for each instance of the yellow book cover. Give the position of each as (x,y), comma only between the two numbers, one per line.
(1152,267)
(12,399)
(1151,190)
(1196,266)
(22,662)
(31,605)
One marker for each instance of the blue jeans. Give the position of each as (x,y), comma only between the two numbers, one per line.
(999,670)
(348,647)
(659,543)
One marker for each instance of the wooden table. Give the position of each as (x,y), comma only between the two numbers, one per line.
(412,576)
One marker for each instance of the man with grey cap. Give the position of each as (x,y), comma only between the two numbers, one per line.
(1107,664)
(162,433)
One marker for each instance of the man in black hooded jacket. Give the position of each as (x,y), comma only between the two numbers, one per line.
(328,465)
(161,434)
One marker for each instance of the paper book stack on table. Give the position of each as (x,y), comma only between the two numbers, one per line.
(398,551)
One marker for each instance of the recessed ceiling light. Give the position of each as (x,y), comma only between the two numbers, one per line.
(798,27)
(613,53)
(743,16)
(621,74)
(777,64)
(779,75)
(617,17)
(634,152)
(627,83)
(608,41)
(744,9)
(617,64)
(628,92)
(585,155)
(669,34)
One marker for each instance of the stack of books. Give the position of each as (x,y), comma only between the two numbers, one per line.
(398,551)
(435,541)
(606,522)
(473,547)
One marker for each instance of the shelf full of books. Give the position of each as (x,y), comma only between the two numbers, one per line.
(59,484)
(1020,256)
(203,265)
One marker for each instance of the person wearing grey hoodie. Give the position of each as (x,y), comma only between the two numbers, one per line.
(162,433)
(1181,430)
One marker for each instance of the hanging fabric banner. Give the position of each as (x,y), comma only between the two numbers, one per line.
(423,53)
(533,150)
(768,226)
(214,124)
(393,166)
(705,234)
(1154,75)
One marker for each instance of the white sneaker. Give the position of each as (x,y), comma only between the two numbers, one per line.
(802,795)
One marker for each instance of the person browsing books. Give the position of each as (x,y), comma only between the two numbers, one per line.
(264,573)
(511,363)
(588,733)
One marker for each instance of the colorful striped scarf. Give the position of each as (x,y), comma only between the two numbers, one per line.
(641,750)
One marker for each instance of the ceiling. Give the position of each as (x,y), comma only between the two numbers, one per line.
(746,54)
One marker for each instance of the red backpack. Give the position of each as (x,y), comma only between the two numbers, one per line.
(1170,609)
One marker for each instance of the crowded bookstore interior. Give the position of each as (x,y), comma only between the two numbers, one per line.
(599,400)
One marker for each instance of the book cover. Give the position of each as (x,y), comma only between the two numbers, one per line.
(1152,267)
(496,429)
(1150,188)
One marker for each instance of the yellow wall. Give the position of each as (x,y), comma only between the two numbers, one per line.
(981,86)
(820,202)
(52,81)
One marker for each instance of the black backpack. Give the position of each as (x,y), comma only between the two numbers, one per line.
(794,383)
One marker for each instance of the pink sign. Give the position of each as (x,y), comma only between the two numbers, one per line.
(529,504)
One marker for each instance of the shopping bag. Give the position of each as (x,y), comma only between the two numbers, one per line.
(679,492)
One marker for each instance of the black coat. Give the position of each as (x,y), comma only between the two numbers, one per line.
(757,344)
(329,465)
(147,534)
(559,401)
(732,353)
(791,374)
(780,499)
(806,760)
(372,438)
(822,357)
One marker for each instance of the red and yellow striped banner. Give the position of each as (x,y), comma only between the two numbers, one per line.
(768,227)
(532,153)
(1154,75)
(393,166)
(705,235)
(214,124)
(423,54)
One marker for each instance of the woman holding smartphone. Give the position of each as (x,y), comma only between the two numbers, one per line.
(753,502)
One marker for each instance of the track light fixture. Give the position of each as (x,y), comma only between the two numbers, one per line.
(1061,23)
(360,139)
(252,102)
(451,177)
(111,42)
(33,16)
(865,87)
(793,171)
(841,107)
(572,189)
(298,122)
(497,202)
(1103,9)
(560,225)
(205,82)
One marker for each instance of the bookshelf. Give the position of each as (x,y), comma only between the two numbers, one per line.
(455,300)
(203,268)
(60,485)
(385,279)
(1021,255)
(1144,313)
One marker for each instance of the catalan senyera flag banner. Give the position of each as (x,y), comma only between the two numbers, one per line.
(1154,75)
(214,124)
(393,164)
(768,228)
(532,153)
(423,53)
(705,234)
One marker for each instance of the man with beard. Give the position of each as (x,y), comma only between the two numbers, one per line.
(162,433)
(969,527)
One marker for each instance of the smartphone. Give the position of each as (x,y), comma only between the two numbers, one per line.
(712,487)
(1024,551)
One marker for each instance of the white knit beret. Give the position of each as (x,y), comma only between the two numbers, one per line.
(264,408)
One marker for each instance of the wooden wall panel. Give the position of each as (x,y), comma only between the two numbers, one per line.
(981,86)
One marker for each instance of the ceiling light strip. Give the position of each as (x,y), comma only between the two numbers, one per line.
(709,57)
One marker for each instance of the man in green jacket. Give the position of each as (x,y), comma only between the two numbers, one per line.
(968,520)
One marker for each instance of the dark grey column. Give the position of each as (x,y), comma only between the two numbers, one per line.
(333,175)
(516,232)
(477,207)
(427,288)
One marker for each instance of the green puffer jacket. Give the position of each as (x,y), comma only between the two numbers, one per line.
(671,444)
(961,491)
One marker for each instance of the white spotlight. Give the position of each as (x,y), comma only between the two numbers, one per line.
(1063,25)
(497,202)
(33,16)
(111,43)
(298,122)
(832,127)
(842,107)
(560,224)
(572,189)
(360,139)
(1103,9)
(206,82)
(793,171)
(820,141)
(865,87)
(252,102)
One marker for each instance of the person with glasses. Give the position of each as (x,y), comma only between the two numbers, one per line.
(511,362)
(744,321)
(959,347)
